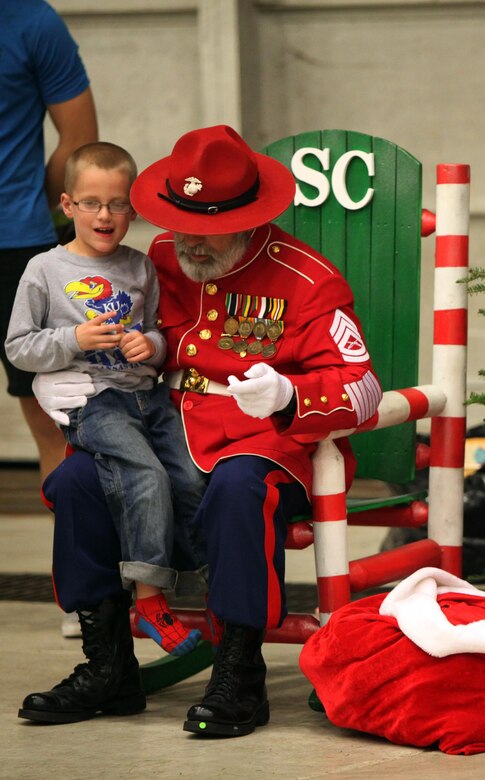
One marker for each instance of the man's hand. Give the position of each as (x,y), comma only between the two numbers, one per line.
(263,392)
(97,334)
(62,390)
(136,347)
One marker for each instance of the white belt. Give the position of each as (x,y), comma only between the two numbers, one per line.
(193,382)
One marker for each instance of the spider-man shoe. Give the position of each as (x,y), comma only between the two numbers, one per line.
(154,617)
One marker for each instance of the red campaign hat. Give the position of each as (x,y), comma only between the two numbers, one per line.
(212,183)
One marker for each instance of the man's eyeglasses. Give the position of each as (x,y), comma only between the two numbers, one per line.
(93,206)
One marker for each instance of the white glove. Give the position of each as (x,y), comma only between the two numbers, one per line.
(263,392)
(62,390)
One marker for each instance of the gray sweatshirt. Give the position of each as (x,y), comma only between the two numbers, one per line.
(60,290)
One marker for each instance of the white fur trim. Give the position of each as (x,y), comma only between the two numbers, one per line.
(414,605)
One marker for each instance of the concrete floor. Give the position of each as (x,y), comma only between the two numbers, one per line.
(297,744)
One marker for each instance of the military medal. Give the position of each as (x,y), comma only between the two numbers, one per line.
(259,329)
(269,350)
(225,342)
(240,346)
(245,328)
(255,347)
(231,326)
(274,330)
(253,315)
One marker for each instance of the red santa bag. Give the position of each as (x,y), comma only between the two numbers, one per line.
(370,676)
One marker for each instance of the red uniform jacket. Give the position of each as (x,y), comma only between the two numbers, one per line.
(316,341)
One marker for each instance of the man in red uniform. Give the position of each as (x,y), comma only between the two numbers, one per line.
(265,357)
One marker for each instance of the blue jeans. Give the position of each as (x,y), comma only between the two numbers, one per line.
(152,487)
(245,509)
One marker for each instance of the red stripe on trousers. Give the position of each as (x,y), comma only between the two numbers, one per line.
(447,442)
(331,507)
(450,327)
(451,251)
(54,589)
(270,504)
(45,500)
(452,174)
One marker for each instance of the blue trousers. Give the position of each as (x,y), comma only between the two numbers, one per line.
(244,512)
(147,477)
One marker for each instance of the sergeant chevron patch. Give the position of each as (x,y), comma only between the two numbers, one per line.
(348,339)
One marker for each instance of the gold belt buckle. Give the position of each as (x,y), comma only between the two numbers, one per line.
(193,381)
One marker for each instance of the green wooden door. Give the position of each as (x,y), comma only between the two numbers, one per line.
(377,248)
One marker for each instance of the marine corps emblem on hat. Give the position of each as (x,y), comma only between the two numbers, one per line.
(212,183)
(192,185)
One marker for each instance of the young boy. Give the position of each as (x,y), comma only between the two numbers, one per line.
(92,306)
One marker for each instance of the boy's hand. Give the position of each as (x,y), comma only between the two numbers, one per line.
(136,347)
(97,334)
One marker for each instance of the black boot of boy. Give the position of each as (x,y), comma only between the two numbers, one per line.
(235,700)
(110,680)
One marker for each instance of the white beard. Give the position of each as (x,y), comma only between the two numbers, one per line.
(217,263)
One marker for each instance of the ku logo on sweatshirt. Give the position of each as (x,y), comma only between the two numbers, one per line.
(98,296)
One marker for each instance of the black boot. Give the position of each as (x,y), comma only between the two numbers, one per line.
(109,682)
(235,700)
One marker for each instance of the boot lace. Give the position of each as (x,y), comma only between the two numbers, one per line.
(95,646)
(226,675)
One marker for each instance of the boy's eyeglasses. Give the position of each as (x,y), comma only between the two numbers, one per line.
(93,206)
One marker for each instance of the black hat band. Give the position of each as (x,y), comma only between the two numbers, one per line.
(210,208)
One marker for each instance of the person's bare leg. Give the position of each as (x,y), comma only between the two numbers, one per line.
(48,438)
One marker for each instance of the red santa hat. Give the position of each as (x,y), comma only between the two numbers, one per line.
(414,604)
(408,666)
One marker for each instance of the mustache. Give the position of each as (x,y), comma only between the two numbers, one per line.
(198,250)
(215,263)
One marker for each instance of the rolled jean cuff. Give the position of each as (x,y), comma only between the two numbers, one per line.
(148,574)
(192,582)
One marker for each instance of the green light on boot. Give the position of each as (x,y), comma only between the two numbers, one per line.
(202,725)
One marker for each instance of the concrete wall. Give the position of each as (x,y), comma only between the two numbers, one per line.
(411,71)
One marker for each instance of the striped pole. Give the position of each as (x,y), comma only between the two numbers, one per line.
(443,401)
(445,524)
(400,406)
(329,510)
